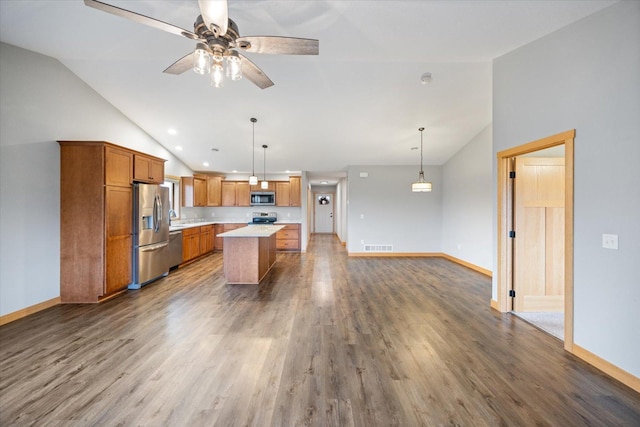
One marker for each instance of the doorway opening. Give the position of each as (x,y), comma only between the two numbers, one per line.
(507,274)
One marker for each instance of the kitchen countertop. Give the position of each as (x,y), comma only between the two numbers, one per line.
(253,231)
(182,226)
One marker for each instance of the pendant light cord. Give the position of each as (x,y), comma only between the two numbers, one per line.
(253,146)
(421,130)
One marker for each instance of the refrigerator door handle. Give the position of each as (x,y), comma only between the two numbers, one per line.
(160,209)
(156,219)
(150,248)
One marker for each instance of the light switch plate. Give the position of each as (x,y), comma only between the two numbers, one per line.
(610,241)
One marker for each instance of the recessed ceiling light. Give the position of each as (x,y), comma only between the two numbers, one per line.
(324,182)
(426,78)
(178,147)
(235,171)
(287,171)
(205,164)
(172,131)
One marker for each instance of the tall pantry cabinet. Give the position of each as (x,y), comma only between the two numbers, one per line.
(96,223)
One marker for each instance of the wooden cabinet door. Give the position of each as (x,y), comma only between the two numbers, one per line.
(214,191)
(118,229)
(141,168)
(243,194)
(295,191)
(206,239)
(147,169)
(156,171)
(118,167)
(190,243)
(200,191)
(283,193)
(228,193)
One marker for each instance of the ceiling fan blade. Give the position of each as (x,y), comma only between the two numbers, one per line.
(215,12)
(181,65)
(278,45)
(141,19)
(255,74)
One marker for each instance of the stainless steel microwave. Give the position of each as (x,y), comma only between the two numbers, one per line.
(263,198)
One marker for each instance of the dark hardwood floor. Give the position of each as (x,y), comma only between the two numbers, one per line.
(325,340)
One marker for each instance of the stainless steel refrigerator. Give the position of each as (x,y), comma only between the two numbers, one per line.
(150,233)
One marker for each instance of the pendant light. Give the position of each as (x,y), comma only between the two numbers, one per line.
(264,184)
(253,179)
(421,185)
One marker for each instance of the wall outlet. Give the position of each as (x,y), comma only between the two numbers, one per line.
(610,241)
(213,214)
(361,216)
(289,214)
(362,242)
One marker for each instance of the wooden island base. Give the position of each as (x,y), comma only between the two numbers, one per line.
(247,259)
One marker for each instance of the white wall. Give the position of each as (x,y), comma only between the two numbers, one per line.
(466,202)
(382,210)
(587,76)
(341,214)
(41,102)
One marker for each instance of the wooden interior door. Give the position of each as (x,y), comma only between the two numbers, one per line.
(539,241)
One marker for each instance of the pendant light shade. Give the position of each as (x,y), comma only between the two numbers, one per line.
(421,185)
(264,184)
(253,179)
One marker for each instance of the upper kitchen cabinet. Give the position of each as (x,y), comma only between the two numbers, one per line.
(283,193)
(288,193)
(95,220)
(118,166)
(236,193)
(214,190)
(243,193)
(148,169)
(295,192)
(193,190)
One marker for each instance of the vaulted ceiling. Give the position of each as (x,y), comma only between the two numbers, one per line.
(360,101)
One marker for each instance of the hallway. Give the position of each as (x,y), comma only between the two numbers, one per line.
(324,340)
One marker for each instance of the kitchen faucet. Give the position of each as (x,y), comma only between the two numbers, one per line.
(172,214)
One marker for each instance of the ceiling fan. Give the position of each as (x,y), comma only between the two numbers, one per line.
(218,43)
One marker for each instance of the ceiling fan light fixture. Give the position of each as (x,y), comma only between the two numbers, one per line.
(234,66)
(421,185)
(217,74)
(202,59)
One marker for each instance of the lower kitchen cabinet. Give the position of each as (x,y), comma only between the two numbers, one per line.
(288,238)
(206,239)
(190,243)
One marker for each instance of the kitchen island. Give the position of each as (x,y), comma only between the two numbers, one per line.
(249,253)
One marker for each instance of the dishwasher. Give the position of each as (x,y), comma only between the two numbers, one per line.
(175,248)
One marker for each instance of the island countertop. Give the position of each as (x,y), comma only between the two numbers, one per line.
(253,231)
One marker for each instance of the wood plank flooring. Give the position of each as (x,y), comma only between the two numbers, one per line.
(325,340)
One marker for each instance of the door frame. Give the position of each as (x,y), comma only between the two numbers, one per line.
(333,216)
(505,213)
